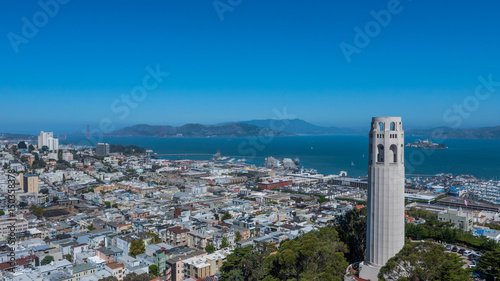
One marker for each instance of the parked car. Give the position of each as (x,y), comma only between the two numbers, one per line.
(454,249)
(461,251)
(473,257)
(448,247)
(466,253)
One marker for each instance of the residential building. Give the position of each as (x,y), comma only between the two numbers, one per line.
(47,139)
(175,236)
(117,269)
(29,183)
(459,218)
(203,266)
(109,254)
(82,270)
(102,149)
(20,224)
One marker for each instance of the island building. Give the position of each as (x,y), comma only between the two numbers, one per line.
(386,174)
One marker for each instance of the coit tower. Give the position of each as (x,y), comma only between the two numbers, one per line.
(386,175)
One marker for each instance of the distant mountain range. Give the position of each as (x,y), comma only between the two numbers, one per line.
(6,136)
(284,127)
(198,130)
(290,127)
(298,127)
(461,133)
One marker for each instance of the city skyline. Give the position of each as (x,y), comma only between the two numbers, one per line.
(244,62)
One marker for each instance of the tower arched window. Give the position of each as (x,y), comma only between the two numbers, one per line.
(394,150)
(381,126)
(393,126)
(380,153)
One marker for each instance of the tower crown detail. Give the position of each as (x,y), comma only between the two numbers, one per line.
(386,141)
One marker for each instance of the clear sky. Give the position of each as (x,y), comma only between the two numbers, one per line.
(70,64)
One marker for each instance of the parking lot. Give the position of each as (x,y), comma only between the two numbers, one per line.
(463,253)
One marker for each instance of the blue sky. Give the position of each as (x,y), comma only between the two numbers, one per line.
(263,56)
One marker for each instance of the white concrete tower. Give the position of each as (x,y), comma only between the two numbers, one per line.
(386,174)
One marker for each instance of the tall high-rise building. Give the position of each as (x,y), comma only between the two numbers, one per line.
(47,139)
(29,183)
(386,175)
(102,149)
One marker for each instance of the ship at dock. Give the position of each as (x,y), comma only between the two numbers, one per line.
(426,144)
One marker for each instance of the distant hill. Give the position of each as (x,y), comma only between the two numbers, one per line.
(6,136)
(297,127)
(198,130)
(457,133)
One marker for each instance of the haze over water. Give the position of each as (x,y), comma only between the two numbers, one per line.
(330,154)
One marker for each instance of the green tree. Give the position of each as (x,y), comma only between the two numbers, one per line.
(2,212)
(424,261)
(22,145)
(322,199)
(224,243)
(24,159)
(68,257)
(237,236)
(109,278)
(137,247)
(246,263)
(153,269)
(108,204)
(114,205)
(227,216)
(90,227)
(210,248)
(142,277)
(351,229)
(317,255)
(31,148)
(55,199)
(37,211)
(47,260)
(489,264)
(156,238)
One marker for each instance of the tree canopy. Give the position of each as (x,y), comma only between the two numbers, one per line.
(210,248)
(47,260)
(224,243)
(22,145)
(137,247)
(489,264)
(424,261)
(314,256)
(351,229)
(153,269)
(237,236)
